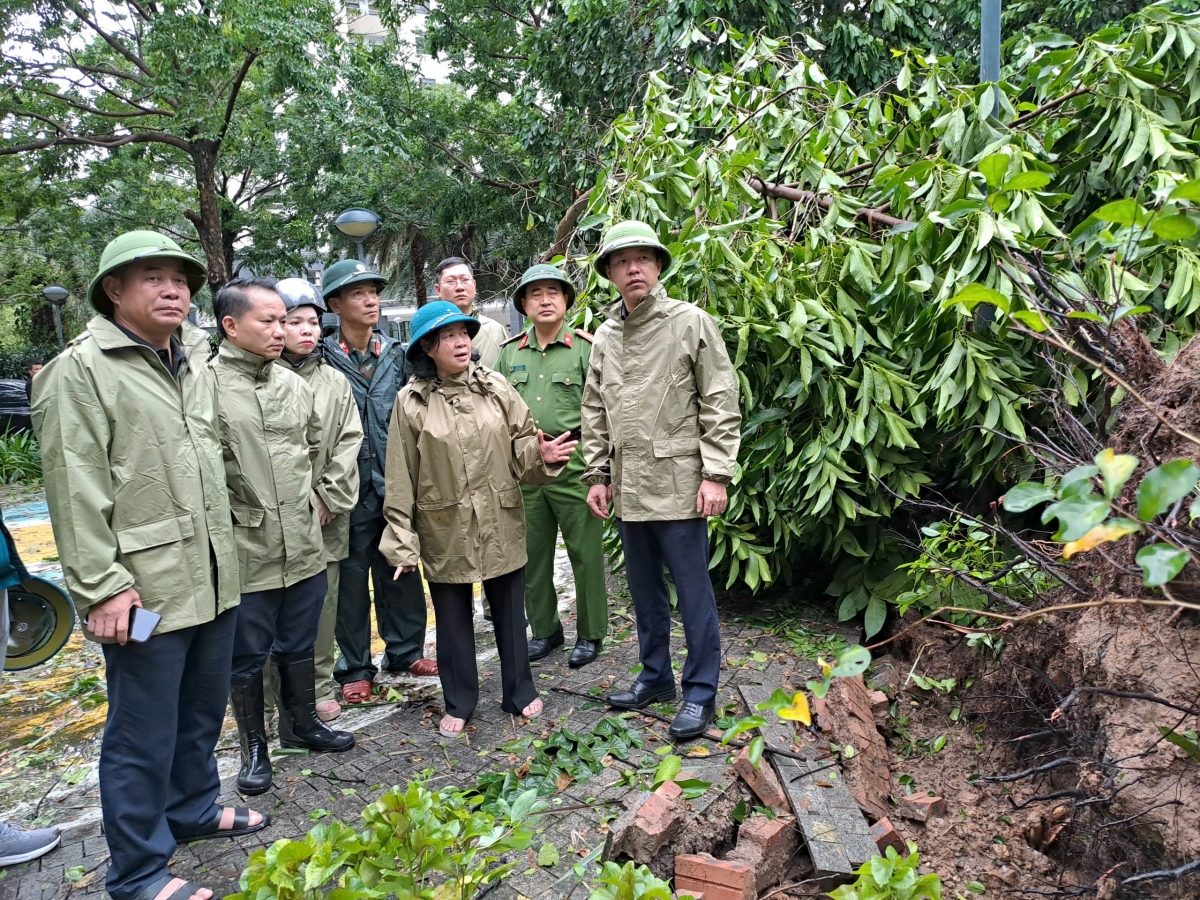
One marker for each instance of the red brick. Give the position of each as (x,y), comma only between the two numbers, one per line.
(669,791)
(879,700)
(845,717)
(646,827)
(767,846)
(921,808)
(762,781)
(886,835)
(718,879)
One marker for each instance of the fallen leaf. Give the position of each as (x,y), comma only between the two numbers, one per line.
(699,750)
(1099,535)
(798,710)
(562,782)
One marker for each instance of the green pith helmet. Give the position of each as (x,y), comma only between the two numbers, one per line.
(135,245)
(542,272)
(631,234)
(345,273)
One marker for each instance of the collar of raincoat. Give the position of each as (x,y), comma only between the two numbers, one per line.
(249,364)
(644,308)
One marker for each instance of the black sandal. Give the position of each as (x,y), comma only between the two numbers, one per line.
(241,825)
(183,892)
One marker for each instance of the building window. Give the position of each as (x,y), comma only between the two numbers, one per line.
(362,7)
(425,82)
(374,40)
(421,9)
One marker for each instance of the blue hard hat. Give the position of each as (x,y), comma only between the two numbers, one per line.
(432,316)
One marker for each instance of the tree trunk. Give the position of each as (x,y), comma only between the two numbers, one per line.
(419,251)
(208,222)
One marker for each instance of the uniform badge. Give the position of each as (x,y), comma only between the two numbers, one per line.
(516,368)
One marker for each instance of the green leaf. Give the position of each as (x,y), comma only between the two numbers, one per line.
(1116,469)
(974,294)
(852,661)
(668,768)
(994,168)
(1032,319)
(1160,563)
(1165,485)
(1026,181)
(548,855)
(1173,228)
(976,887)
(1076,516)
(755,751)
(1120,212)
(74,874)
(875,616)
(746,724)
(1026,496)
(1189,190)
(1184,743)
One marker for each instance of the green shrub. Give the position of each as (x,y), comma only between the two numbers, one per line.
(20,458)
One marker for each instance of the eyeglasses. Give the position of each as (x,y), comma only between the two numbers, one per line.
(464,279)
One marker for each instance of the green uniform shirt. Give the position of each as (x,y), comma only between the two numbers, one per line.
(550,381)
(366,362)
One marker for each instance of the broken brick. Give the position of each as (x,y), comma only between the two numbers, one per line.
(717,879)
(669,790)
(846,716)
(647,826)
(921,808)
(762,781)
(879,700)
(886,835)
(767,846)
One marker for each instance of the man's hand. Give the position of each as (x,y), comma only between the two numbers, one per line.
(324,516)
(403,570)
(599,497)
(110,619)
(712,499)
(557,451)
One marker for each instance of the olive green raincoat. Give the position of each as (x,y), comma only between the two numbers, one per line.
(660,408)
(271,431)
(131,459)
(336,465)
(458,452)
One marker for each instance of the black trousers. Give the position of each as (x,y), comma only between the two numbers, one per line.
(158,775)
(456,644)
(400,610)
(284,620)
(681,544)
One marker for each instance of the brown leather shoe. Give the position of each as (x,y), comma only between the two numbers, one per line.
(424,667)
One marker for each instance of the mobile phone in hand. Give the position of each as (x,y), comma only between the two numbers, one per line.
(142,623)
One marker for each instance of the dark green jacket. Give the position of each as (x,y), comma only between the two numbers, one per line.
(375,400)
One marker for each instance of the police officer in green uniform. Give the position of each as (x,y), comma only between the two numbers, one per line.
(548,364)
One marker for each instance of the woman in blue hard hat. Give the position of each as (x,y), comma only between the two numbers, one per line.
(460,444)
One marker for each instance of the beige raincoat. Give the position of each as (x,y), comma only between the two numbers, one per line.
(660,408)
(271,431)
(458,451)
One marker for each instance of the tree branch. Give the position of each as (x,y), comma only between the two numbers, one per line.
(566,227)
(234,90)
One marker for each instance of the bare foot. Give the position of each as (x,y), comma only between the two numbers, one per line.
(532,709)
(226,822)
(451,724)
(175,884)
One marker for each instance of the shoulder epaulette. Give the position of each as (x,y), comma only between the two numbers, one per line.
(515,337)
(586,335)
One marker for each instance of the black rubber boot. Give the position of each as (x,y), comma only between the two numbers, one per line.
(298,723)
(246,698)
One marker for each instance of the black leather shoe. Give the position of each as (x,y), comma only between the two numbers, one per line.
(246,698)
(641,694)
(299,726)
(540,648)
(584,653)
(693,720)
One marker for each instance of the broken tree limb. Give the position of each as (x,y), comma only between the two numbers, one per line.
(566,226)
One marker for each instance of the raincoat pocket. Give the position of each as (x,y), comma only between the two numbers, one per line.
(154,556)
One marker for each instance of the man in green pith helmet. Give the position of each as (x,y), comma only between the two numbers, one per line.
(547,364)
(127,418)
(661,430)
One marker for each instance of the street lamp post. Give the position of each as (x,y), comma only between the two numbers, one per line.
(358,224)
(56,295)
(989,56)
